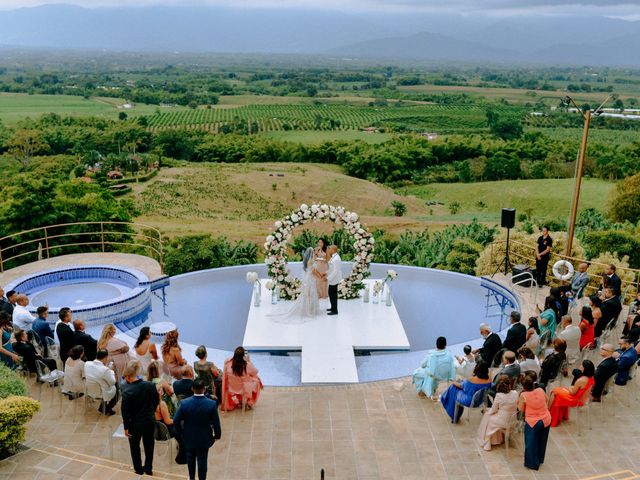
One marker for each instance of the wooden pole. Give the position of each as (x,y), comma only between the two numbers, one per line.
(576,190)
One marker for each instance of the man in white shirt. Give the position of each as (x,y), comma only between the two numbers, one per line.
(334,277)
(101,381)
(22,318)
(571,334)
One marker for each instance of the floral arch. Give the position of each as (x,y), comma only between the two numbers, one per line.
(276,245)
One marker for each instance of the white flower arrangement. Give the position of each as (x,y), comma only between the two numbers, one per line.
(377,287)
(391,275)
(252,277)
(270,285)
(276,244)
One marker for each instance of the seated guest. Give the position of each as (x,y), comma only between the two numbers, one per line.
(499,416)
(533,334)
(42,328)
(547,320)
(7,355)
(578,283)
(528,361)
(610,308)
(516,335)
(552,364)
(437,367)
(73,385)
(118,349)
(145,348)
(626,356)
(240,381)
(561,302)
(537,421)
(594,304)
(492,344)
(587,333)
(165,390)
(571,334)
(607,368)
(3,301)
(634,332)
(172,355)
(21,316)
(27,351)
(510,368)
(210,375)
(632,314)
(162,415)
(462,393)
(183,387)
(101,381)
(466,364)
(89,344)
(563,398)
(64,333)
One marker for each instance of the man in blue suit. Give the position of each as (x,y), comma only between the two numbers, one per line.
(198,423)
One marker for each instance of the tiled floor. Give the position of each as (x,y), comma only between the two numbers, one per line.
(372,431)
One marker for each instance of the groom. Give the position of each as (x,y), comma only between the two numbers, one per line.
(334,277)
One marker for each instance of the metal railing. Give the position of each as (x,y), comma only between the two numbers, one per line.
(633,285)
(80,237)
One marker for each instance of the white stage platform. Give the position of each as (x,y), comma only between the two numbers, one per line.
(326,342)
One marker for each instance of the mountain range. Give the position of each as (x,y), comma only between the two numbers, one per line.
(415,37)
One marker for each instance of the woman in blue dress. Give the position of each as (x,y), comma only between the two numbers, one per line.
(7,355)
(463,392)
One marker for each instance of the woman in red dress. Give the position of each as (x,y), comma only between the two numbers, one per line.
(586,327)
(563,398)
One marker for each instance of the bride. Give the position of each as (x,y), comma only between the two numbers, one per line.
(307,304)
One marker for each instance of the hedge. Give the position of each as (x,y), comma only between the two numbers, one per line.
(15,412)
(618,242)
(11,383)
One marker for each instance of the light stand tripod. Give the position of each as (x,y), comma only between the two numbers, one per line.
(505,261)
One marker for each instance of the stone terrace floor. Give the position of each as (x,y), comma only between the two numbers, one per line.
(381,430)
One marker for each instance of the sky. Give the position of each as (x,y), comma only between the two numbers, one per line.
(629,9)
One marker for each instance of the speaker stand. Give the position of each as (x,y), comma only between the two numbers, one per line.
(505,261)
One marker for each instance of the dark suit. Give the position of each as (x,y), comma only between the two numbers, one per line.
(624,363)
(616,284)
(7,307)
(66,338)
(183,387)
(139,402)
(89,344)
(516,337)
(198,423)
(610,310)
(607,369)
(512,370)
(492,344)
(43,330)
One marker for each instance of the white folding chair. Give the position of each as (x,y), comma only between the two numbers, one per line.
(93,393)
(162,435)
(49,377)
(116,434)
(478,402)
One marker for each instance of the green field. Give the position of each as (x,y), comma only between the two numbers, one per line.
(312,137)
(544,199)
(600,135)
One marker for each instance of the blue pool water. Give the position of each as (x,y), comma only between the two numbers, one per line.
(82,293)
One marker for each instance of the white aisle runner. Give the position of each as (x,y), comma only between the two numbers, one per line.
(326,342)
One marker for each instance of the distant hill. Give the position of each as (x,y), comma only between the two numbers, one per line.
(409,36)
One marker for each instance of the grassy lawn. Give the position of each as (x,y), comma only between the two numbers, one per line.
(311,137)
(548,198)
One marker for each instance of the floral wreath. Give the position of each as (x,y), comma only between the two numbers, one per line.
(276,244)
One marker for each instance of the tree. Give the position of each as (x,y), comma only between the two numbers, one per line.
(504,127)
(122,116)
(26,143)
(625,203)
(618,104)
(502,166)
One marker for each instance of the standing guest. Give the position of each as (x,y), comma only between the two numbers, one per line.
(437,367)
(42,328)
(578,283)
(571,334)
(463,393)
(182,387)
(10,303)
(3,301)
(626,356)
(466,364)
(612,280)
(73,385)
(561,399)
(547,319)
(607,368)
(208,373)
(587,332)
(610,308)
(516,335)
(118,349)
(7,355)
(528,361)
(139,402)
(145,348)
(89,344)
(240,382)
(65,335)
(552,364)
(533,334)
(545,243)
(561,302)
(27,351)
(100,372)
(492,344)
(198,424)
(172,355)
(22,317)
(537,422)
(499,417)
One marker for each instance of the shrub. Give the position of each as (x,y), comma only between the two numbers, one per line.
(625,202)
(463,256)
(399,208)
(620,243)
(454,208)
(11,383)
(15,412)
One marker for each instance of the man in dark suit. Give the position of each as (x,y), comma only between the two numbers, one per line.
(492,344)
(10,302)
(3,302)
(65,333)
(516,335)
(184,386)
(610,309)
(198,423)
(606,369)
(139,402)
(614,282)
(89,343)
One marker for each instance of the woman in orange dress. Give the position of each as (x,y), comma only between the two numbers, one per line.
(537,421)
(321,267)
(563,398)
(240,381)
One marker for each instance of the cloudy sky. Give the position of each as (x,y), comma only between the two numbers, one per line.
(612,8)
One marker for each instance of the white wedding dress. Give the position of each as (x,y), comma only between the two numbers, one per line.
(307,305)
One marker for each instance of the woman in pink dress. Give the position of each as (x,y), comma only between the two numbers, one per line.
(118,349)
(320,269)
(240,381)
(499,416)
